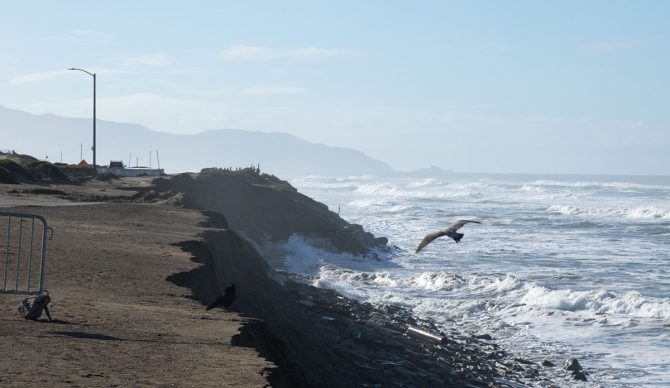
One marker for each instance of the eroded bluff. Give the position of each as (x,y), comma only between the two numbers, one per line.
(265,208)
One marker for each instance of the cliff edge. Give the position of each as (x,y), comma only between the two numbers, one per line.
(265,208)
(316,336)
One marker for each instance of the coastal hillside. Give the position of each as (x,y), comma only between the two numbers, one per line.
(316,336)
(16,168)
(267,209)
(279,153)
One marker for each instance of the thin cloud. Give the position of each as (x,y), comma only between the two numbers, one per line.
(271,90)
(47,75)
(38,76)
(244,53)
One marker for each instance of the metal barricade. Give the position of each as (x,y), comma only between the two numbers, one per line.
(23,251)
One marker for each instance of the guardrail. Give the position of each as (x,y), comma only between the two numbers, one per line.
(23,251)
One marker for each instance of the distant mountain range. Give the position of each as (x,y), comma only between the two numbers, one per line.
(48,135)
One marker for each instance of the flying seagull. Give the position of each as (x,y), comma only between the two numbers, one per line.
(226,299)
(450,231)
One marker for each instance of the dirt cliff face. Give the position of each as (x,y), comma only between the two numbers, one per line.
(17,168)
(319,338)
(315,336)
(264,208)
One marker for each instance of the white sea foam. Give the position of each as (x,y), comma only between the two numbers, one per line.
(399,208)
(630,304)
(641,212)
(584,291)
(363,203)
(438,281)
(384,205)
(533,189)
(315,182)
(425,189)
(623,186)
(303,256)
(425,183)
(648,212)
(377,188)
(502,284)
(349,276)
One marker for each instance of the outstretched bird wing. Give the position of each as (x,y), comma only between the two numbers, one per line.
(429,238)
(457,225)
(444,232)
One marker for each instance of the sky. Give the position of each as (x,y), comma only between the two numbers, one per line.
(475,86)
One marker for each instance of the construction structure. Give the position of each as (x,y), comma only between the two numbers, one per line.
(117,168)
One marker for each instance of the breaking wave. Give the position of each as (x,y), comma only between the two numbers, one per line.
(438,281)
(630,304)
(642,212)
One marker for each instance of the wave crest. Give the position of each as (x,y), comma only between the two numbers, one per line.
(641,212)
(438,281)
(631,303)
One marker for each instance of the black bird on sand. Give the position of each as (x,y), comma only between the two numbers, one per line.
(226,299)
(450,231)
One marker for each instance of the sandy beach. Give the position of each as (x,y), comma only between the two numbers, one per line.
(118,322)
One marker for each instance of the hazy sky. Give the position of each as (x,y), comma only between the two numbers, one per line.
(487,86)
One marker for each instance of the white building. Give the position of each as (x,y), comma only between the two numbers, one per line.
(117,168)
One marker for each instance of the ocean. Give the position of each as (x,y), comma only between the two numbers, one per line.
(560,266)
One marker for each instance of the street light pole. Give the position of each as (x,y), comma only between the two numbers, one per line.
(94,121)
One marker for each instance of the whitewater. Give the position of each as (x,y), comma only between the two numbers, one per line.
(562,266)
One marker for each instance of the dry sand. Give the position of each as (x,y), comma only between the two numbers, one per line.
(118,322)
